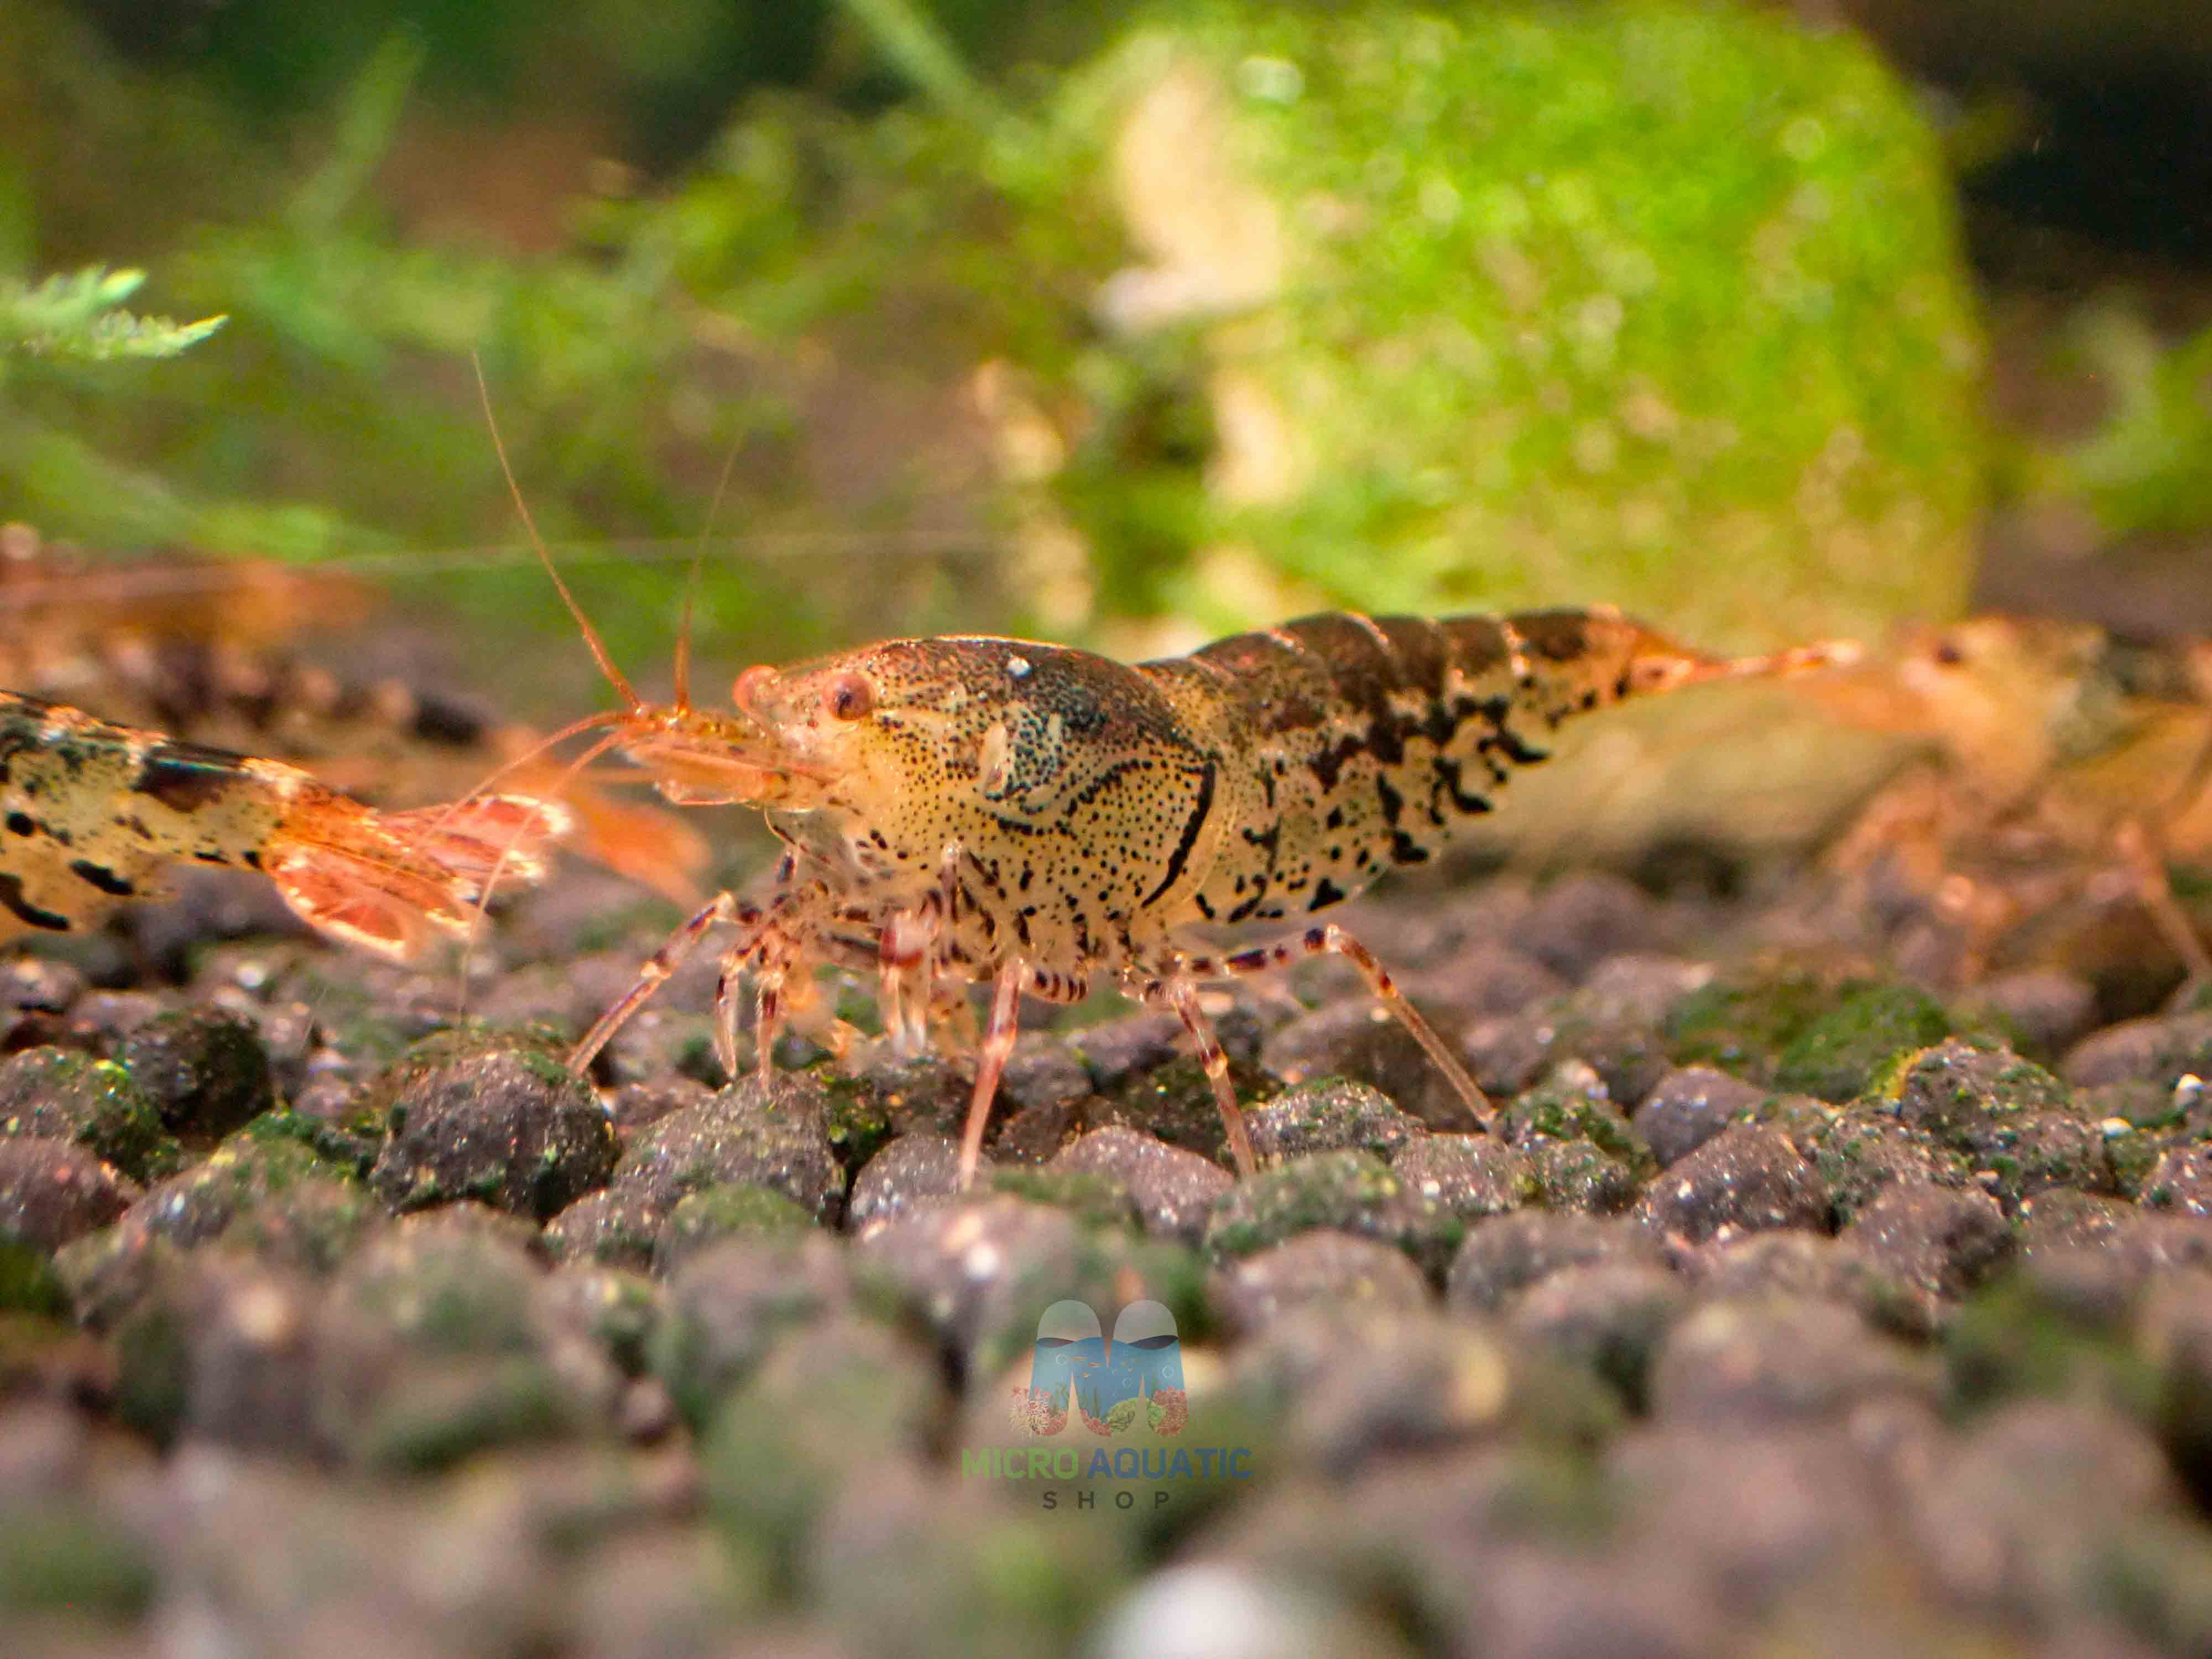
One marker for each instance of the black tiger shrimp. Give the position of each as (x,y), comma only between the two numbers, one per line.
(90,811)
(969,809)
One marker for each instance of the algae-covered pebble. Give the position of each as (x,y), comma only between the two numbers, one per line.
(1953,1089)
(1093,1197)
(727,1306)
(95,1102)
(1351,1191)
(733,1210)
(838,1401)
(772,1133)
(495,1118)
(1330,1114)
(206,1071)
(1573,1105)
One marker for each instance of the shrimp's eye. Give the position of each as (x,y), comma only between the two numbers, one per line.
(1949,654)
(849,698)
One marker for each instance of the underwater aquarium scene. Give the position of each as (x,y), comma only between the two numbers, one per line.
(1229,828)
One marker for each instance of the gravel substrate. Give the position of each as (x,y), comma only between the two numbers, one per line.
(1794,1307)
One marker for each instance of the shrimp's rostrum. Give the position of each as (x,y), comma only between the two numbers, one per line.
(90,811)
(1034,815)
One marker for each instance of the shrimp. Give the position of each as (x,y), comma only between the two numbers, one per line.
(90,811)
(2055,739)
(1034,817)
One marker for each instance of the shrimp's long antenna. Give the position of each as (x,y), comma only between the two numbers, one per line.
(589,723)
(606,663)
(691,578)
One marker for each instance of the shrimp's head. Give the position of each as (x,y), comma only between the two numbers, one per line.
(913,745)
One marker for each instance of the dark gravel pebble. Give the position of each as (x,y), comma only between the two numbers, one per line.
(1814,1266)
(507,1126)
(1992,1535)
(1333,1114)
(2049,1007)
(1174,1191)
(1778,1360)
(1688,1107)
(1360,1381)
(916,1169)
(206,1071)
(1050,1092)
(1609,1316)
(54,1191)
(1503,1257)
(634,1107)
(769,1135)
(2158,1050)
(1321,1268)
(613,1227)
(1745,1179)
(616,1311)
(728,1305)
(1471,1176)
(1580,919)
(1357,1038)
(1943,1240)
(2181,1182)
(1954,1090)
(978,1272)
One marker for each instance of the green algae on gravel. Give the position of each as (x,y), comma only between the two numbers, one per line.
(1352,1191)
(95,1103)
(1094,1199)
(1803,1031)
(728,1210)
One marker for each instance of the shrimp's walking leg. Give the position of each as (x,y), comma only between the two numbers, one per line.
(724,906)
(1333,940)
(1181,994)
(2157,893)
(991,1060)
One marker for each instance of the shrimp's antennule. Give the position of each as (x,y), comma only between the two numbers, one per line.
(599,654)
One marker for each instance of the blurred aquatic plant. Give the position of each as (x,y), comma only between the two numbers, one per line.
(2147,467)
(80,315)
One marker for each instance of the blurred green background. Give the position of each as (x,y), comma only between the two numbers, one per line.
(1127,324)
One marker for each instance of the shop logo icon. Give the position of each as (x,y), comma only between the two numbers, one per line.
(1113,1386)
